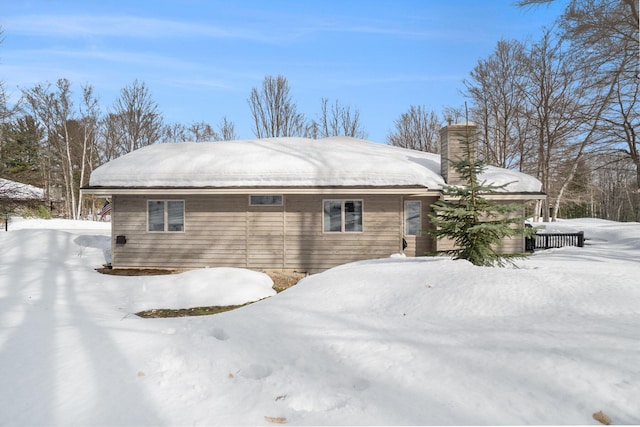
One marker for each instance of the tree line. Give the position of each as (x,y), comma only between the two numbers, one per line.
(563,108)
(54,138)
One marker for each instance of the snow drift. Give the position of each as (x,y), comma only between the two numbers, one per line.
(426,341)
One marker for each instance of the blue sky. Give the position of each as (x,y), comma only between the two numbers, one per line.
(201,58)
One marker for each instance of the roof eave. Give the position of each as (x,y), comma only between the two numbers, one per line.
(517,195)
(402,190)
(109,191)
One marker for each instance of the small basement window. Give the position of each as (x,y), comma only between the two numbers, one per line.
(342,216)
(266,200)
(165,215)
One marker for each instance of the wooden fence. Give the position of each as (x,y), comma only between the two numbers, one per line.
(554,240)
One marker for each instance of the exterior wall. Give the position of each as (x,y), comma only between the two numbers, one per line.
(265,237)
(213,236)
(513,245)
(224,230)
(310,249)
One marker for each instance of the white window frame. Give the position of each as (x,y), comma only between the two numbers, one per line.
(165,204)
(251,201)
(406,218)
(343,215)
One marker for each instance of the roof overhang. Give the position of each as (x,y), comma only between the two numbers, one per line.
(509,196)
(400,190)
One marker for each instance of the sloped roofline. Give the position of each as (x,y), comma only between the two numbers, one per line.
(290,164)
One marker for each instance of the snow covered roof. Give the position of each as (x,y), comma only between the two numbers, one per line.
(19,191)
(285,162)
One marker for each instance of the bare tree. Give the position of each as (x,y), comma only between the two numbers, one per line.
(555,95)
(6,112)
(54,111)
(495,86)
(452,114)
(608,33)
(604,25)
(111,135)
(417,129)
(175,132)
(136,117)
(337,120)
(274,113)
(613,189)
(199,132)
(69,137)
(227,130)
(604,35)
(202,131)
(89,117)
(538,103)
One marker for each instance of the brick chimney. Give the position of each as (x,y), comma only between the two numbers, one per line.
(451,149)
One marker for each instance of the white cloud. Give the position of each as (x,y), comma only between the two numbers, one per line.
(120,26)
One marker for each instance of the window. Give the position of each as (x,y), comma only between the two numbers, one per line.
(342,216)
(165,215)
(412,217)
(266,200)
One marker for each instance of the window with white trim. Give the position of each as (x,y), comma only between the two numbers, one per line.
(165,215)
(412,217)
(342,216)
(265,200)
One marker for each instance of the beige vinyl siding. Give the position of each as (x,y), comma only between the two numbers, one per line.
(513,245)
(309,248)
(265,237)
(213,236)
(223,230)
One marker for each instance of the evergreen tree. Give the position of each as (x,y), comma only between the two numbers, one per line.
(20,154)
(474,223)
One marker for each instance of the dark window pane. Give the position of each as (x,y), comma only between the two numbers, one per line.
(353,215)
(156,215)
(412,217)
(273,200)
(175,215)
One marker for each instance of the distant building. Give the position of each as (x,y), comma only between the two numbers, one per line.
(15,195)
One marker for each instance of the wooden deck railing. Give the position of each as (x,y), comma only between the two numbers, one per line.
(554,240)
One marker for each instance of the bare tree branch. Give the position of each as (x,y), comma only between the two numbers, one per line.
(417,129)
(274,113)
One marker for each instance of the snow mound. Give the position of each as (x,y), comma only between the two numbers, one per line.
(395,341)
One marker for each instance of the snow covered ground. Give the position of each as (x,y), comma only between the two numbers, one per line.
(390,341)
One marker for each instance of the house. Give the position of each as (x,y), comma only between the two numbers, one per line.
(16,197)
(18,191)
(15,194)
(281,204)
